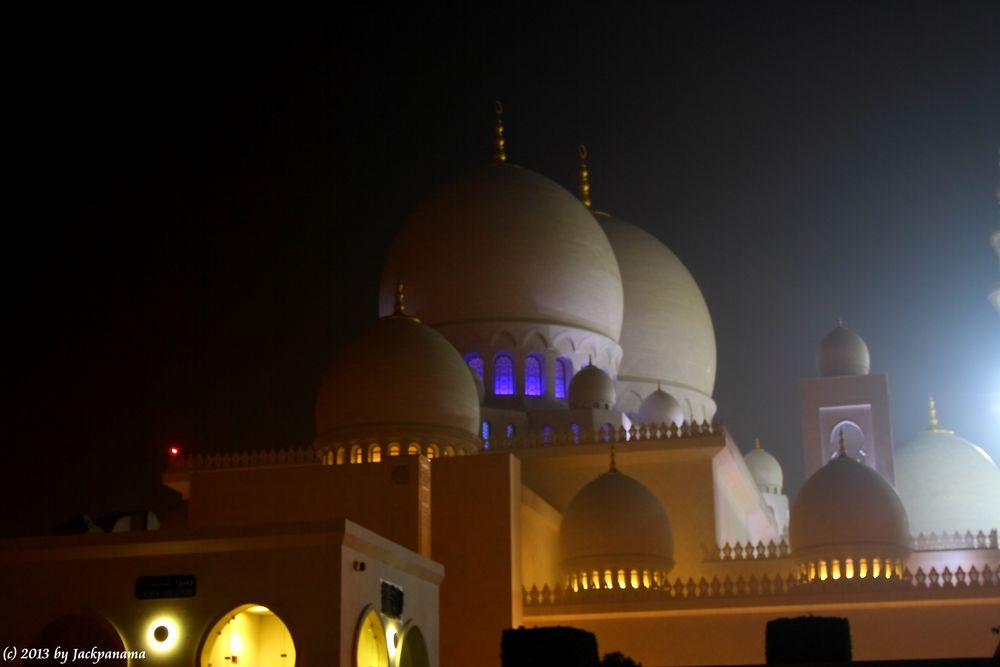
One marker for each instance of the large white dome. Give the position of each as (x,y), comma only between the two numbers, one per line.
(505,244)
(948,484)
(667,332)
(842,352)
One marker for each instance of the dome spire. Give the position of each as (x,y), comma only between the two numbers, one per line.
(756,442)
(932,410)
(613,467)
(499,144)
(584,177)
(842,452)
(399,307)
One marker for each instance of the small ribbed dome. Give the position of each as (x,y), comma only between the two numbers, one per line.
(843,352)
(947,484)
(765,469)
(660,408)
(399,377)
(591,387)
(848,510)
(504,244)
(614,523)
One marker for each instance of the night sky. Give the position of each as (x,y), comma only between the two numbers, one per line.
(202,205)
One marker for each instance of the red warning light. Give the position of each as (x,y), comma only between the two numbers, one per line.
(174,450)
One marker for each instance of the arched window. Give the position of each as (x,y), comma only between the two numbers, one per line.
(432,451)
(606,432)
(563,370)
(475,362)
(393,449)
(449,450)
(509,431)
(340,456)
(576,433)
(485,432)
(546,434)
(534,378)
(357,454)
(503,375)
(375,453)
(413,449)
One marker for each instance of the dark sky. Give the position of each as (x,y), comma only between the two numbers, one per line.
(202,204)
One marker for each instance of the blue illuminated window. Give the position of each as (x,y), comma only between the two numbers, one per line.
(546,434)
(503,375)
(510,430)
(576,433)
(534,384)
(475,363)
(485,430)
(606,432)
(562,371)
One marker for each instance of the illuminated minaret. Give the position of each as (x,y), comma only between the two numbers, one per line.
(995,294)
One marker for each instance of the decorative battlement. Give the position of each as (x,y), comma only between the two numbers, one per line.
(747,551)
(681,592)
(248,459)
(608,435)
(956,540)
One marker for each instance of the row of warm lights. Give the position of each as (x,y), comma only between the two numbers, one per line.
(623,579)
(886,568)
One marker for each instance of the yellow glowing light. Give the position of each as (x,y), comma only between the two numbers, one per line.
(822,570)
(849,568)
(391,639)
(835,571)
(259,609)
(876,568)
(162,634)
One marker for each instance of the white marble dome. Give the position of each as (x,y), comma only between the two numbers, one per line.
(947,484)
(505,244)
(765,469)
(843,352)
(398,378)
(667,332)
(615,522)
(591,387)
(661,408)
(848,510)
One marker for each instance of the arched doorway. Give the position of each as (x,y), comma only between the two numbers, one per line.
(250,634)
(413,649)
(370,648)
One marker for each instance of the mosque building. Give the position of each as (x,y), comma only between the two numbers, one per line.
(528,437)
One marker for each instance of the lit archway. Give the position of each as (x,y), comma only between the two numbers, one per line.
(413,649)
(250,634)
(370,647)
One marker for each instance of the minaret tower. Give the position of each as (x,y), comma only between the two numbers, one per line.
(846,406)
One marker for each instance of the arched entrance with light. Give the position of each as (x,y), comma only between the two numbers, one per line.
(249,635)
(371,647)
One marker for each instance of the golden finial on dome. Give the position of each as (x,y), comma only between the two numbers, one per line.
(658,387)
(932,410)
(399,307)
(584,177)
(499,144)
(840,322)
(842,452)
(756,442)
(613,468)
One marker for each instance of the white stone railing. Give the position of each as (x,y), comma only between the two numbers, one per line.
(679,591)
(956,540)
(247,459)
(750,551)
(586,436)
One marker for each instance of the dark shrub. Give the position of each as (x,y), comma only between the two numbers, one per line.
(548,647)
(808,639)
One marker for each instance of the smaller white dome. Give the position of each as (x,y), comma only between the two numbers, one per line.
(843,352)
(848,510)
(614,523)
(765,469)
(660,408)
(591,387)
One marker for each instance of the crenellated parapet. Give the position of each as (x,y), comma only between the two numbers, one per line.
(749,551)
(582,436)
(754,590)
(247,459)
(949,541)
